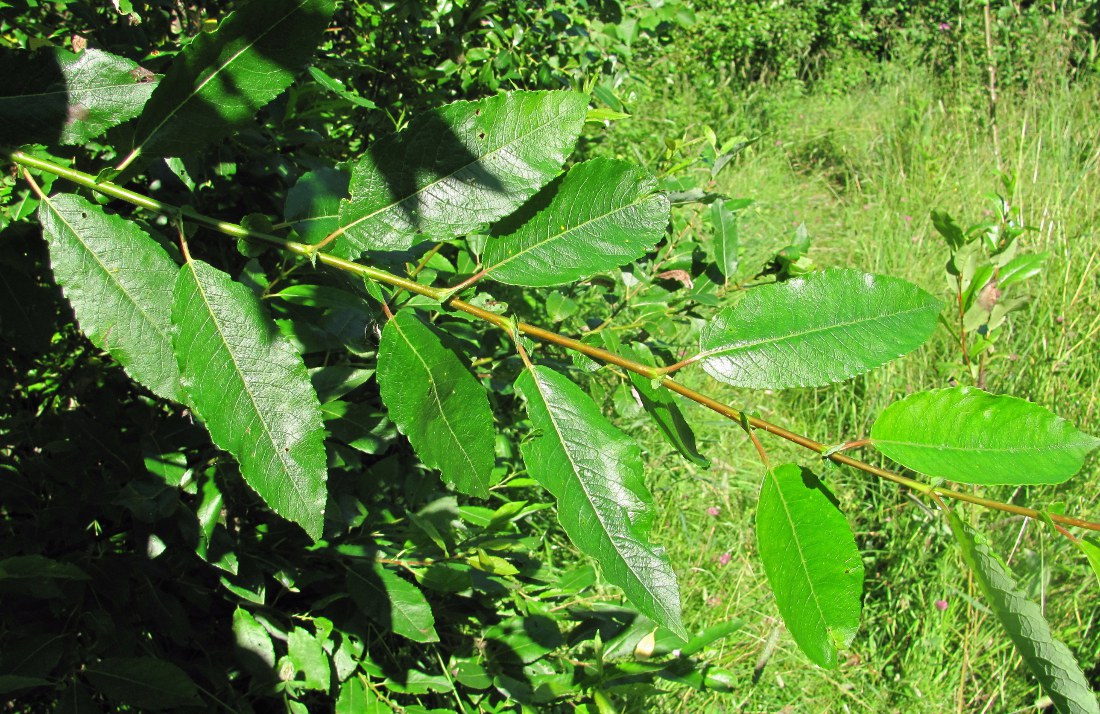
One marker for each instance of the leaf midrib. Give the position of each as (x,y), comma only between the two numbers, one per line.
(748,345)
(435,395)
(966,449)
(303,502)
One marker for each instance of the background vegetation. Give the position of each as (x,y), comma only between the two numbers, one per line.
(859,118)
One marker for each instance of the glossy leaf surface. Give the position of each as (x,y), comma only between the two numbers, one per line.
(457,168)
(1049,660)
(970,436)
(222,78)
(145,683)
(55,96)
(392,601)
(116,278)
(595,472)
(602,214)
(811,560)
(822,328)
(250,387)
(435,401)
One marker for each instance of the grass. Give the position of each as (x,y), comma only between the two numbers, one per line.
(863,168)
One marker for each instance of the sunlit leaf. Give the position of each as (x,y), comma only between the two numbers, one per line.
(602,214)
(726,242)
(1049,660)
(435,401)
(457,168)
(222,78)
(251,388)
(595,472)
(818,329)
(55,96)
(811,560)
(970,436)
(116,278)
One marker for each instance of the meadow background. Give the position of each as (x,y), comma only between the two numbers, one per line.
(859,118)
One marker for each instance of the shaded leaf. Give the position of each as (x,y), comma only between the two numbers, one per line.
(392,601)
(602,214)
(818,329)
(222,78)
(55,96)
(970,436)
(457,168)
(251,388)
(313,204)
(811,560)
(1091,548)
(435,401)
(143,682)
(254,646)
(595,472)
(1049,660)
(116,277)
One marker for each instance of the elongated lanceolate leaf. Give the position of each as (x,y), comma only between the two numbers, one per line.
(145,683)
(457,168)
(253,391)
(221,79)
(435,401)
(595,472)
(117,279)
(55,96)
(1049,660)
(823,328)
(392,601)
(313,204)
(602,214)
(970,436)
(811,560)
(726,241)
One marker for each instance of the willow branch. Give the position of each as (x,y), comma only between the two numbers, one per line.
(538,333)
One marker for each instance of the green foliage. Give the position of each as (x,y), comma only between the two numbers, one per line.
(822,328)
(1049,660)
(335,390)
(988,438)
(812,562)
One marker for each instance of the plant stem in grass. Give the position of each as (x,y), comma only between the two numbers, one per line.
(538,333)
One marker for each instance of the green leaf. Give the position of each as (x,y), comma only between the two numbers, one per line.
(818,329)
(726,240)
(313,204)
(143,683)
(392,601)
(356,698)
(251,388)
(595,473)
(54,96)
(223,78)
(308,657)
(116,277)
(435,401)
(658,402)
(457,168)
(811,560)
(254,646)
(1091,548)
(1049,660)
(602,214)
(970,436)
